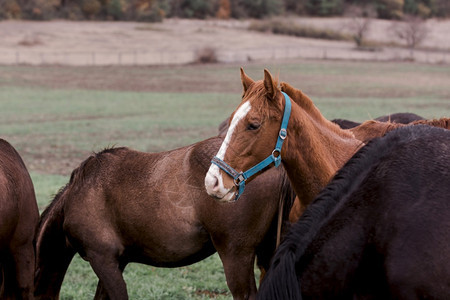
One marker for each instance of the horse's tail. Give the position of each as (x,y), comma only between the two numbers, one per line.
(53,254)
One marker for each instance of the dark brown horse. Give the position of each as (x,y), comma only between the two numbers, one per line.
(379,230)
(124,206)
(19,217)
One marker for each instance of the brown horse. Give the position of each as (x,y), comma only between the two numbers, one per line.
(313,150)
(124,206)
(403,118)
(365,132)
(19,217)
(372,129)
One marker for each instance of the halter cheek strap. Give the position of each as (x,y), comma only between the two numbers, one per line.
(240,177)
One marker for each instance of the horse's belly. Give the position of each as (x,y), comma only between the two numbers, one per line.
(174,247)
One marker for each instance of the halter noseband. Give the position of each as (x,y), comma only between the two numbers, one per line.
(240,177)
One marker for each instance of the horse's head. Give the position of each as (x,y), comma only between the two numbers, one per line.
(252,136)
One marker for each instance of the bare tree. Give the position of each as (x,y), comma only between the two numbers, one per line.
(412,30)
(360,21)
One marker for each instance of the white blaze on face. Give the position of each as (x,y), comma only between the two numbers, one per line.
(214,176)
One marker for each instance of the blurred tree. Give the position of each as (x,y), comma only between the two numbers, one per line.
(256,8)
(390,9)
(115,10)
(325,7)
(224,11)
(90,8)
(360,20)
(10,9)
(295,6)
(412,30)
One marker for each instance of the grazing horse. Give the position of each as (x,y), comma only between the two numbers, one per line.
(403,118)
(379,230)
(19,217)
(123,206)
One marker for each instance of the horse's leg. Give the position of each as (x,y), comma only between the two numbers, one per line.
(239,272)
(51,268)
(111,284)
(24,264)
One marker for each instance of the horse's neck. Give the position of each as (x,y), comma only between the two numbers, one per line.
(372,129)
(315,150)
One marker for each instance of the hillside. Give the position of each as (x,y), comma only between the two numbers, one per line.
(179,41)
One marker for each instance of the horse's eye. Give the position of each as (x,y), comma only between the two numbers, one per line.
(253,126)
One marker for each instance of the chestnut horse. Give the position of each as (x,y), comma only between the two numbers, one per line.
(313,150)
(365,132)
(124,206)
(379,230)
(19,217)
(403,118)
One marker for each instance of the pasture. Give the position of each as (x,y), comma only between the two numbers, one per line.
(57,116)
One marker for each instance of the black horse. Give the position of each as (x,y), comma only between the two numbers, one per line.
(403,118)
(379,230)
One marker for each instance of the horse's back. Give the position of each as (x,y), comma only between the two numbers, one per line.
(414,215)
(158,191)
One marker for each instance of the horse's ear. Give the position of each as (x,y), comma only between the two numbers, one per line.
(269,84)
(246,81)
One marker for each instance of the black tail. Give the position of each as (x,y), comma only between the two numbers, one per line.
(53,255)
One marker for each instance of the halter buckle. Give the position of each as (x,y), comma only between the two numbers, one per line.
(283,133)
(239,179)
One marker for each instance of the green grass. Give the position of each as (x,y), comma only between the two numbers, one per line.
(56,117)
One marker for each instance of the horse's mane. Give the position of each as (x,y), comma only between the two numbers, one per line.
(282,279)
(442,122)
(302,100)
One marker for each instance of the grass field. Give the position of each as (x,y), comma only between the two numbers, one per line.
(57,116)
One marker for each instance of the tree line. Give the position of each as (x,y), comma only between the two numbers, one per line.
(157,10)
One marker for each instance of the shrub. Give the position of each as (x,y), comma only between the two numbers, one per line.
(390,9)
(224,11)
(324,7)
(90,8)
(10,9)
(279,27)
(206,55)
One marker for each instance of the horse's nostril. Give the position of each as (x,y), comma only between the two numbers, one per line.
(215,183)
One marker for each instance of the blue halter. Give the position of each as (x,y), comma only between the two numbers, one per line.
(240,177)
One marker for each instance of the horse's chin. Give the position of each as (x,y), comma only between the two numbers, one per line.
(228,197)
